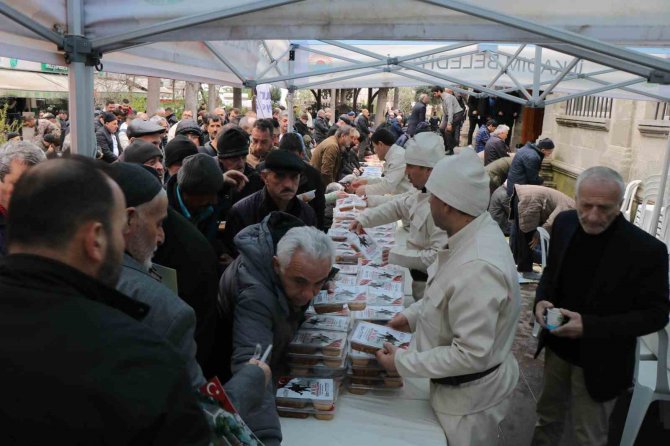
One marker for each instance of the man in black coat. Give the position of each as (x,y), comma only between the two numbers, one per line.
(310,179)
(362,123)
(78,366)
(418,114)
(281,174)
(610,281)
(321,127)
(107,138)
(232,149)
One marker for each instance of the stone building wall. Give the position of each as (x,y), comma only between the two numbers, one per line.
(629,141)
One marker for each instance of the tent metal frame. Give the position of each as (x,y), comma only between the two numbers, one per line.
(83,55)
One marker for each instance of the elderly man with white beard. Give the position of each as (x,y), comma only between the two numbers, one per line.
(169,316)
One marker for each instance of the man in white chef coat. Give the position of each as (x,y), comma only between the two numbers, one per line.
(422,153)
(464,325)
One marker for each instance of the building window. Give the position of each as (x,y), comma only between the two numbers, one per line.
(590,107)
(662,111)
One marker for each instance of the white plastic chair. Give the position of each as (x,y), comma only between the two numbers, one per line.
(628,198)
(651,384)
(544,244)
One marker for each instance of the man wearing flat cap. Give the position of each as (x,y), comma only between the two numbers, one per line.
(342,120)
(422,153)
(148,131)
(464,325)
(281,175)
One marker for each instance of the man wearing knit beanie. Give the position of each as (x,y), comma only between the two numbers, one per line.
(175,151)
(465,324)
(422,153)
(146,208)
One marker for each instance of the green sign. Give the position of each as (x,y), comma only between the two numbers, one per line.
(49,68)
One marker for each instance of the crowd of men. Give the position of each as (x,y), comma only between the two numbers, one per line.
(101,346)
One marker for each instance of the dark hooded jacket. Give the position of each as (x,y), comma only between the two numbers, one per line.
(254,306)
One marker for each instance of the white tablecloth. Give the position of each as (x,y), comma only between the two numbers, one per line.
(404,418)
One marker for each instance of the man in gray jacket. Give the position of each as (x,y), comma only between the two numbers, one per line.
(264,293)
(169,316)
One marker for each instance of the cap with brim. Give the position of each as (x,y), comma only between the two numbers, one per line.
(138,127)
(283,160)
(345,118)
(461,182)
(186,126)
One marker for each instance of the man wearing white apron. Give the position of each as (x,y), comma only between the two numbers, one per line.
(465,324)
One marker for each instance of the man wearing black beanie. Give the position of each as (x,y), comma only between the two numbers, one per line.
(169,316)
(175,151)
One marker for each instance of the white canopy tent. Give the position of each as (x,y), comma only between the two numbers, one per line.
(236,43)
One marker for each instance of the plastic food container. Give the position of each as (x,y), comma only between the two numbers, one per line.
(380,296)
(290,412)
(327,322)
(379,314)
(384,275)
(301,393)
(339,234)
(321,369)
(362,359)
(369,337)
(351,270)
(326,343)
(354,297)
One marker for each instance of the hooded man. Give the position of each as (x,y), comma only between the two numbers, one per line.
(464,326)
(422,153)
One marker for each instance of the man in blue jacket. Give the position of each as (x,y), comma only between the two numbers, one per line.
(526,165)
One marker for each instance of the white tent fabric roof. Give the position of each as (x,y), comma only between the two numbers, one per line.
(235,42)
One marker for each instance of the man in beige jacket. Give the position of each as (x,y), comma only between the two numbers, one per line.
(422,152)
(464,325)
(393,180)
(327,156)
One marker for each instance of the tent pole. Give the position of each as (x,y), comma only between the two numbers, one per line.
(463,82)
(660,199)
(80,84)
(27,22)
(537,72)
(225,61)
(595,90)
(132,37)
(559,78)
(507,65)
(291,90)
(274,62)
(272,59)
(660,68)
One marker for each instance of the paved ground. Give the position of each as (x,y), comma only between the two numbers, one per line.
(517,429)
